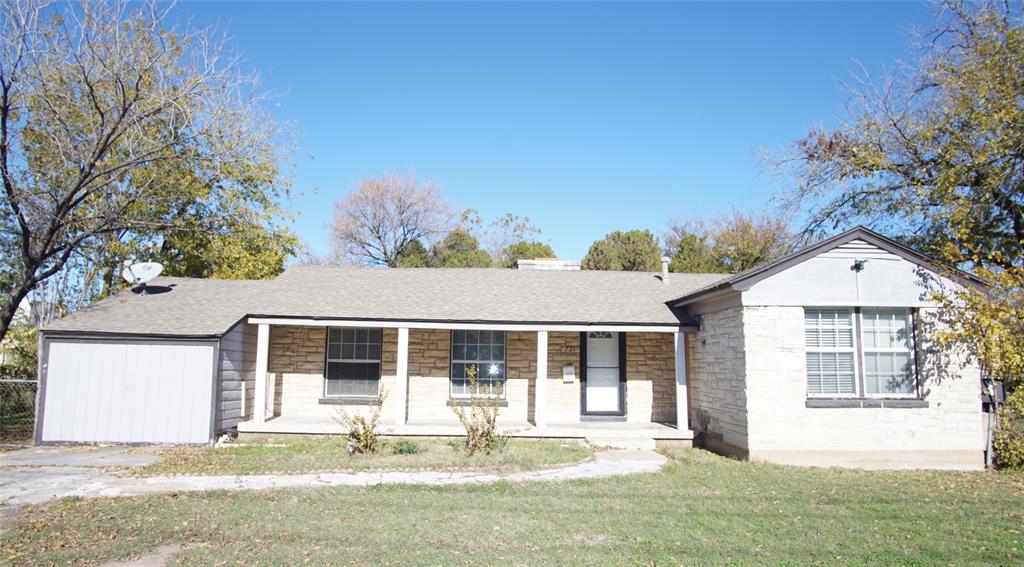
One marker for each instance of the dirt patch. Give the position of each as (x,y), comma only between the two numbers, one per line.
(158,558)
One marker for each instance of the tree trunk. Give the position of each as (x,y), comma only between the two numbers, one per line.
(10,307)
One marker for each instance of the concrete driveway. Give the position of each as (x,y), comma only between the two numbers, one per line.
(37,474)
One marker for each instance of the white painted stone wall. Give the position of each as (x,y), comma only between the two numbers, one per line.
(947,432)
(717,387)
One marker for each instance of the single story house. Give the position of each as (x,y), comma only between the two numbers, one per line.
(823,357)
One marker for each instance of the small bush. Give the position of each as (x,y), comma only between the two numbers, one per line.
(480,417)
(1008,444)
(361,431)
(406,448)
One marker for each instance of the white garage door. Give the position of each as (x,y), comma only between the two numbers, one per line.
(127,392)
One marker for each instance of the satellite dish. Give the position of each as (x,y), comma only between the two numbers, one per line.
(140,273)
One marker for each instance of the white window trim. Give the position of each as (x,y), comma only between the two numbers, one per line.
(328,360)
(912,351)
(452,361)
(858,351)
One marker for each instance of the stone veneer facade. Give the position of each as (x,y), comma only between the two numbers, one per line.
(297,363)
(748,398)
(716,382)
(948,433)
(650,377)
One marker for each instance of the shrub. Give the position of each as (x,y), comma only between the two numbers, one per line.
(406,448)
(1008,444)
(479,417)
(360,430)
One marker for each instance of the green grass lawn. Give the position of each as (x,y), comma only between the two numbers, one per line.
(321,454)
(702,509)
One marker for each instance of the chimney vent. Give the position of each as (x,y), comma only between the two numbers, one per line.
(664,269)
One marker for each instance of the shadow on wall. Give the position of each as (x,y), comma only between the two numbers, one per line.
(935,363)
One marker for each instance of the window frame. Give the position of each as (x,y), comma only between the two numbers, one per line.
(852,350)
(452,361)
(860,382)
(327,360)
(911,350)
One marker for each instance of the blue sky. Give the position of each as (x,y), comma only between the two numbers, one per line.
(585,117)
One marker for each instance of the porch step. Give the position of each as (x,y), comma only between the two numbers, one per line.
(645,443)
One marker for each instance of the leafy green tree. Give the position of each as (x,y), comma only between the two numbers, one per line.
(414,255)
(18,350)
(691,253)
(729,244)
(459,249)
(524,250)
(631,251)
(103,108)
(249,251)
(934,154)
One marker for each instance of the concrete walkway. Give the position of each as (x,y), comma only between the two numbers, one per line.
(38,474)
(604,464)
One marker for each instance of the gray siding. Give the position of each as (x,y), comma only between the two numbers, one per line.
(237,374)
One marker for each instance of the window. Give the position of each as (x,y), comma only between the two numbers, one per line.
(876,361)
(888,352)
(830,354)
(353,362)
(483,351)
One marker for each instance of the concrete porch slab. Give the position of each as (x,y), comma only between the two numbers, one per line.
(580,430)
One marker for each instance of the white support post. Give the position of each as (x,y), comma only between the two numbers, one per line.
(540,392)
(402,375)
(682,404)
(259,406)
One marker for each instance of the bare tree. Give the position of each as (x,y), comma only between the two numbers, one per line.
(100,104)
(375,222)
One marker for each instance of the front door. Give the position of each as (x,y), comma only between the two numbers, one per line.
(601,392)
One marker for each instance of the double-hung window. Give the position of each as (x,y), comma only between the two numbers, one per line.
(888,342)
(353,362)
(482,353)
(830,352)
(860,352)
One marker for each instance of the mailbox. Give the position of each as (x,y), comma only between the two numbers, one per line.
(568,373)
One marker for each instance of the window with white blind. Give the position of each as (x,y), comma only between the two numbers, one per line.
(860,352)
(830,352)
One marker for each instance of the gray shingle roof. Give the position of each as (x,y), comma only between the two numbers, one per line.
(173,306)
(210,307)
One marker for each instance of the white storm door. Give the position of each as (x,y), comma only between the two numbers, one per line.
(602,390)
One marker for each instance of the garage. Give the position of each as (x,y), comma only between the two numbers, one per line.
(126,391)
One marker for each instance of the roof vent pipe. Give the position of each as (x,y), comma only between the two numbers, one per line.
(664,269)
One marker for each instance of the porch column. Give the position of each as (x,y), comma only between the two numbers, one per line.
(540,392)
(682,405)
(259,406)
(401,375)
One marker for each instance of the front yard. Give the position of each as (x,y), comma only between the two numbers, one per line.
(702,509)
(328,454)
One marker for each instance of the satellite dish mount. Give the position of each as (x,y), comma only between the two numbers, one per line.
(138,274)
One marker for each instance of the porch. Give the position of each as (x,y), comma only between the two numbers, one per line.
(298,425)
(419,371)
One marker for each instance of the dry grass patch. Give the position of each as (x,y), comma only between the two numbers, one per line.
(293,455)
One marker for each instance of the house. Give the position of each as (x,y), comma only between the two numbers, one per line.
(823,357)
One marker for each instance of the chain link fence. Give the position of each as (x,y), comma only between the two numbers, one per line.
(17,411)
